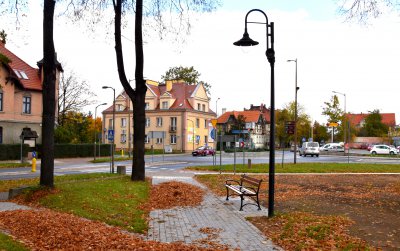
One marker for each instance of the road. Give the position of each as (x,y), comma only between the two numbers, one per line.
(176,162)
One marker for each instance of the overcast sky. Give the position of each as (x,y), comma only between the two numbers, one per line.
(360,61)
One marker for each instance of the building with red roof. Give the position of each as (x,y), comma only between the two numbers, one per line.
(253,122)
(178,117)
(358,120)
(20,96)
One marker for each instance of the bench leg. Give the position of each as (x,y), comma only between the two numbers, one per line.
(258,204)
(227,194)
(241,203)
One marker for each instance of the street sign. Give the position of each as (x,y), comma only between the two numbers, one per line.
(242,144)
(240,131)
(110,135)
(333,124)
(303,139)
(214,122)
(289,127)
(212,134)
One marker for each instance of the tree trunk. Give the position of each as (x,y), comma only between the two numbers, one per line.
(139,114)
(138,95)
(49,96)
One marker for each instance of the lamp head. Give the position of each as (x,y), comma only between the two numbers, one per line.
(245,40)
(104,104)
(105,87)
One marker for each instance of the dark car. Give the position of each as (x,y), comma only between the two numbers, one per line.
(204,151)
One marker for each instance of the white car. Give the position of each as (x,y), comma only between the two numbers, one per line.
(309,148)
(383,149)
(332,147)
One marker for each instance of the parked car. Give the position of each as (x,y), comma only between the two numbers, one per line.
(309,148)
(330,146)
(383,149)
(203,151)
(398,149)
(370,146)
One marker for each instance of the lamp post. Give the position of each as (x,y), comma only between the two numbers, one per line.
(295,111)
(95,131)
(344,119)
(192,132)
(113,128)
(270,53)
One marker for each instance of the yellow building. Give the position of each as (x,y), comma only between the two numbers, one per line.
(178,117)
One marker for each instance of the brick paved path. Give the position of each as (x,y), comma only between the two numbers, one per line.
(231,228)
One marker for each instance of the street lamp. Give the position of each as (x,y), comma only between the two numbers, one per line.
(113,128)
(270,53)
(95,131)
(192,132)
(216,106)
(344,119)
(295,111)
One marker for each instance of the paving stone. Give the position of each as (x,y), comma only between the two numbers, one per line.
(184,223)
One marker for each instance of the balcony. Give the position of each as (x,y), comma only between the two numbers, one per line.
(172,128)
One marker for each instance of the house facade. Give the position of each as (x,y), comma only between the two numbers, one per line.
(178,117)
(20,97)
(254,129)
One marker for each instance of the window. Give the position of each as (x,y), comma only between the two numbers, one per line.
(205,140)
(110,124)
(198,107)
(1,135)
(159,121)
(123,122)
(197,139)
(173,124)
(173,138)
(197,123)
(147,122)
(1,101)
(123,136)
(165,105)
(146,139)
(26,105)
(120,107)
(205,123)
(147,106)
(204,108)
(159,140)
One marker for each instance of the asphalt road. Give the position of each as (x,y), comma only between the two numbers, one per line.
(174,163)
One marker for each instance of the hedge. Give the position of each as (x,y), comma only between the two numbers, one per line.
(13,151)
(76,150)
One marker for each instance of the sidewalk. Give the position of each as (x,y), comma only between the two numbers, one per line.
(228,225)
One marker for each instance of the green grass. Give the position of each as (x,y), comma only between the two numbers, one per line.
(113,201)
(14,165)
(7,243)
(307,168)
(5,185)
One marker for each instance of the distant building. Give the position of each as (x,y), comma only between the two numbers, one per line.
(256,126)
(20,96)
(178,117)
(358,120)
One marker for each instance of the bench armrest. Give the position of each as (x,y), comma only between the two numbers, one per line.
(229,182)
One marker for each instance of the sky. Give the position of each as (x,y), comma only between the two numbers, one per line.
(360,61)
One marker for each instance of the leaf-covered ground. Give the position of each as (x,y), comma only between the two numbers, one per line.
(44,229)
(371,203)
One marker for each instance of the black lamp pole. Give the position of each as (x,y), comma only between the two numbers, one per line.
(270,53)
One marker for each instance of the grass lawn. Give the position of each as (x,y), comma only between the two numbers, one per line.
(14,165)
(114,201)
(306,168)
(7,243)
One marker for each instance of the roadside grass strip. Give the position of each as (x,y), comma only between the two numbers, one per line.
(9,244)
(305,168)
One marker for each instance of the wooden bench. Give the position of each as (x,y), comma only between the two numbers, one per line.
(245,187)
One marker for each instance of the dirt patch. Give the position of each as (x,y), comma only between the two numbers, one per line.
(372,202)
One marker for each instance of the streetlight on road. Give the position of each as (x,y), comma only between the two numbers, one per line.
(295,111)
(113,128)
(95,131)
(344,118)
(270,53)
(216,106)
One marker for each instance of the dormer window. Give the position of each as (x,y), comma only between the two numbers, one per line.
(204,108)
(198,106)
(164,105)
(147,106)
(120,107)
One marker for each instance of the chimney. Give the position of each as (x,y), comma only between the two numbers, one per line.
(168,84)
(223,110)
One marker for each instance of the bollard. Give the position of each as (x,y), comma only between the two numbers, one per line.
(122,152)
(33,164)
(249,163)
